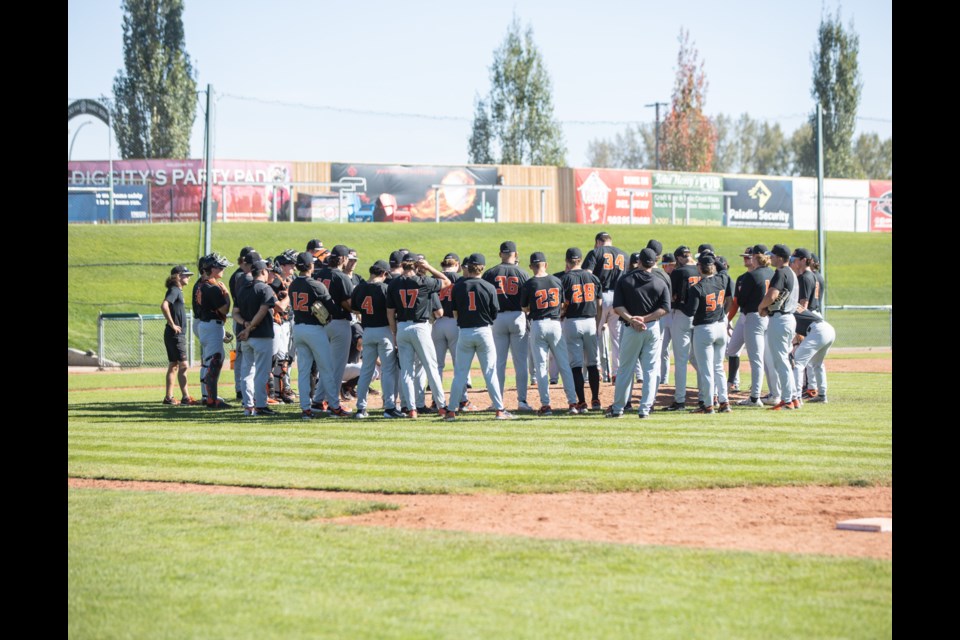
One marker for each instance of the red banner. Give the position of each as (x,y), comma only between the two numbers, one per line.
(604,196)
(881,210)
(176,186)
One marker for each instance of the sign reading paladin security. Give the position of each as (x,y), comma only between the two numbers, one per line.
(760,202)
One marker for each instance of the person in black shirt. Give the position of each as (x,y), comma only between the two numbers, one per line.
(338,329)
(243,268)
(214,303)
(684,276)
(779,304)
(707,303)
(174,336)
(253,311)
(607,262)
(582,290)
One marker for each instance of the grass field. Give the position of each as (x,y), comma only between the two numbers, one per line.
(121,268)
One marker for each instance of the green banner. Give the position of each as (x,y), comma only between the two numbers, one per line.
(685,190)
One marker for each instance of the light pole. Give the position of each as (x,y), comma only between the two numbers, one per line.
(656,106)
(74,139)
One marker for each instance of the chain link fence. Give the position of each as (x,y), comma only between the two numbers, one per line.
(135,340)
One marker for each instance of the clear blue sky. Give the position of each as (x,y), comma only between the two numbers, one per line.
(298,80)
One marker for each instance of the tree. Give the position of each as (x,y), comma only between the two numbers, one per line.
(632,149)
(726,156)
(519,107)
(155,97)
(689,138)
(836,87)
(480,138)
(874,157)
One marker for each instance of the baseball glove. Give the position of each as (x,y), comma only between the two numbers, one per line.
(320,312)
(227,337)
(777,304)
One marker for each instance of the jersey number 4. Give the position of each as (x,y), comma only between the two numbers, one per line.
(508,285)
(408,297)
(715,300)
(547,297)
(583,293)
(367,305)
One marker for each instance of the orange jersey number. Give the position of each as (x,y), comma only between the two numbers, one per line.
(715,300)
(408,297)
(547,297)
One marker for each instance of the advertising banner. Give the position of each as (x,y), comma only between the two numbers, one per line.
(694,198)
(603,196)
(881,211)
(760,202)
(129,205)
(411,186)
(175,187)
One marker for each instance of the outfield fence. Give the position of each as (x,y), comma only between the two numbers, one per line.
(861,325)
(136,340)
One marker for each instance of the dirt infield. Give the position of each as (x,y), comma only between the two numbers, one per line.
(778,519)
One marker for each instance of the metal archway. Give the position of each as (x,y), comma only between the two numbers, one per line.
(86,107)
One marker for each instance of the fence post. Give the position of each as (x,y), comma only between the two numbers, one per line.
(100,340)
(140,320)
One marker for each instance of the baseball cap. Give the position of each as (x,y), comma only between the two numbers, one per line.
(508,247)
(648,257)
(747,252)
(682,249)
(304,260)
(251,257)
(800,252)
(668,258)
(635,258)
(574,253)
(287,257)
(780,250)
(380,266)
(475,258)
(340,251)
(602,236)
(705,247)
(451,256)
(258,265)
(537,257)
(410,256)
(706,259)
(244,252)
(814,257)
(351,254)
(397,257)
(314,244)
(180,270)
(722,264)
(656,246)
(759,248)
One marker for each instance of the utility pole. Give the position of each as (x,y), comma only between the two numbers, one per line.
(656,106)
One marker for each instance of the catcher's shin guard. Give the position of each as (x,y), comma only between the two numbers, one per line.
(213,376)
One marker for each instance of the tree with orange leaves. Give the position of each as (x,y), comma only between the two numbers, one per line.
(688,137)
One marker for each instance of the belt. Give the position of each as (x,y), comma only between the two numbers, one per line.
(213,321)
(414,321)
(778,313)
(541,319)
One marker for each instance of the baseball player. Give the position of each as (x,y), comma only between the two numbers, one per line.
(309,338)
(779,304)
(668,263)
(707,303)
(370,299)
(243,268)
(279,315)
(283,348)
(808,287)
(174,337)
(640,299)
(214,301)
(445,328)
(510,325)
(408,312)
(542,297)
(657,247)
(753,287)
(810,387)
(581,324)
(735,339)
(607,262)
(253,310)
(475,307)
(684,276)
(338,329)
(815,337)
(195,308)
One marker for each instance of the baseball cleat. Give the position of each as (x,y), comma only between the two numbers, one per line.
(796,403)
(249,412)
(361,414)
(770,401)
(503,414)
(582,406)
(187,400)
(219,404)
(573,409)
(596,406)
(272,401)
(393,413)
(818,398)
(545,410)
(339,412)
(810,393)
(554,382)
(781,406)
(523,406)
(412,414)
(443,411)
(642,415)
(466,405)
(307,414)
(450,416)
(725,407)
(750,402)
(703,409)
(266,411)
(427,410)
(676,406)
(610,413)
(172,401)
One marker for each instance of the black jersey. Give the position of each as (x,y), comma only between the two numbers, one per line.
(784,279)
(805,320)
(340,287)
(681,280)
(581,289)
(195,298)
(370,299)
(446,294)
(410,297)
(738,286)
(251,295)
(304,291)
(821,287)
(544,296)
(753,286)
(355,279)
(174,298)
(705,299)
(663,275)
(475,301)
(211,297)
(807,287)
(641,293)
(234,281)
(507,279)
(607,263)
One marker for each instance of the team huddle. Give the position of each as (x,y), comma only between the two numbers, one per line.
(397,326)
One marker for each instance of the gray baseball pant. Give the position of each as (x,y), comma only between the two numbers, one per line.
(414,340)
(645,347)
(780,331)
(811,353)
(546,337)
(378,343)
(310,341)
(510,332)
(258,354)
(709,343)
(479,341)
(754,339)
